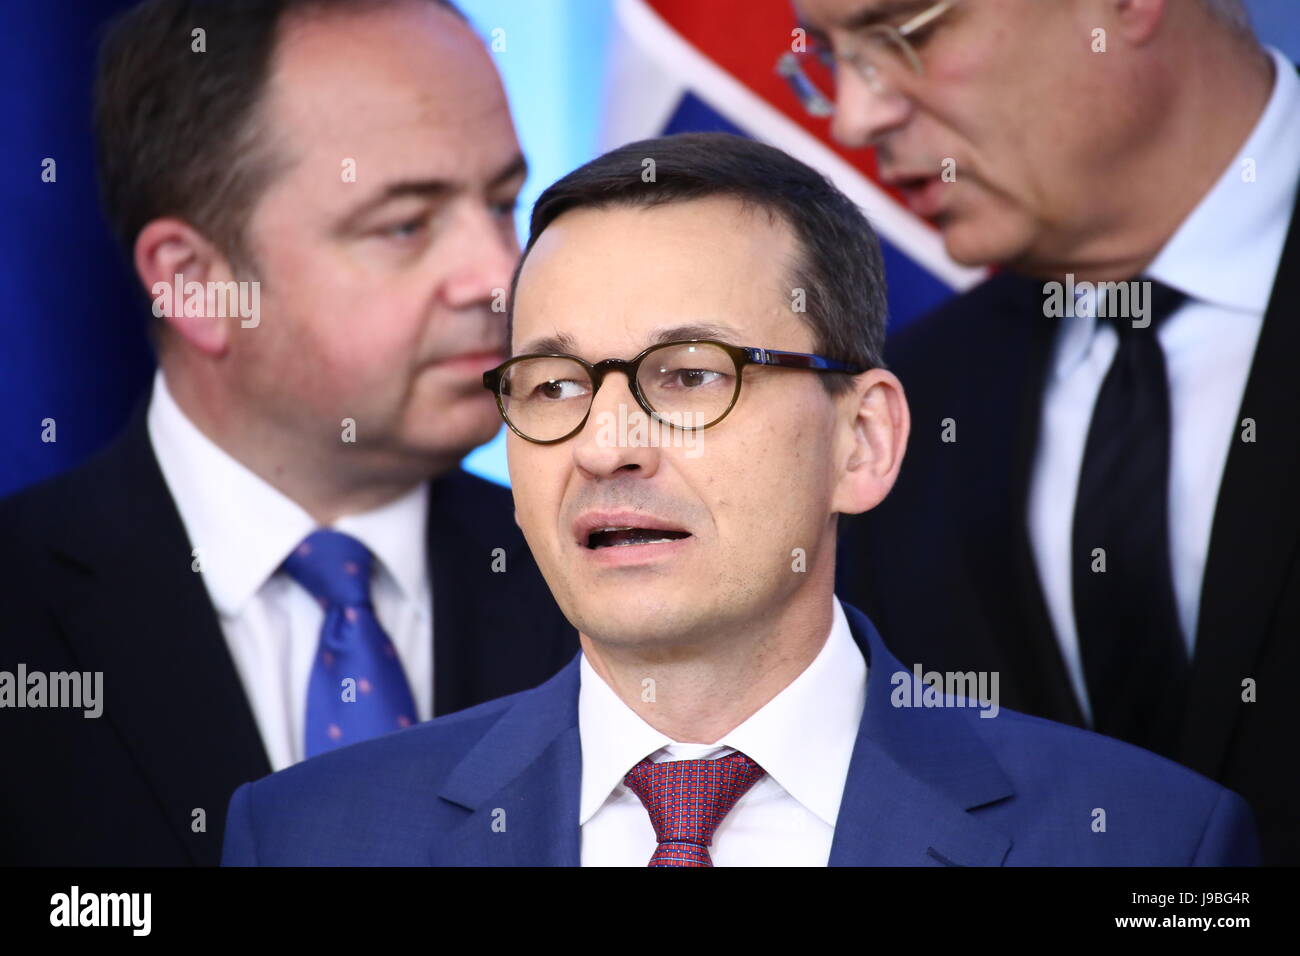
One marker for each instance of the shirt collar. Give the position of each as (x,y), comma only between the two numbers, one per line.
(1226,252)
(243,527)
(395,534)
(803,737)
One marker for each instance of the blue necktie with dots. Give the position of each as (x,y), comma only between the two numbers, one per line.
(357,688)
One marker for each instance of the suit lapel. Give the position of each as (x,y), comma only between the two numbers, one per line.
(521,784)
(455,601)
(998,501)
(1256,526)
(914,774)
(129,605)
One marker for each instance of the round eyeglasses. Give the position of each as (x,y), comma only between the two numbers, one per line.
(690,385)
(883,55)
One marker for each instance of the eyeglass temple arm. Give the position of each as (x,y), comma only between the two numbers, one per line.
(926,16)
(812,98)
(817,363)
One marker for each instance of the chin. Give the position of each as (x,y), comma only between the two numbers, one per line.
(460,427)
(977,239)
(638,618)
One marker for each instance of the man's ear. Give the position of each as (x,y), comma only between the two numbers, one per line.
(874,426)
(167,248)
(1137,20)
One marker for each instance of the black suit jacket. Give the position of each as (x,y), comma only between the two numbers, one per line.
(944,565)
(95,576)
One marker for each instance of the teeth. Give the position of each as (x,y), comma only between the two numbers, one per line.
(617,536)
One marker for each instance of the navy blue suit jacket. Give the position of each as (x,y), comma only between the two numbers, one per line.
(499,785)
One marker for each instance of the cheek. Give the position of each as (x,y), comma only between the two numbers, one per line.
(537,492)
(766,488)
(350,317)
(375,342)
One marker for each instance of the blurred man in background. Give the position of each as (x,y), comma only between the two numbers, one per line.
(280,555)
(1099,498)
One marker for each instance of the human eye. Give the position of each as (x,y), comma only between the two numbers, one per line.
(687,378)
(557,390)
(505,208)
(404,230)
(697,377)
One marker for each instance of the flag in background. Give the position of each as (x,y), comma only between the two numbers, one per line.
(680,65)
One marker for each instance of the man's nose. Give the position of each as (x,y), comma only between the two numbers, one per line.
(485,250)
(618,434)
(863,115)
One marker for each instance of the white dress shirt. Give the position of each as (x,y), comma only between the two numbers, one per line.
(803,737)
(243,528)
(1224,256)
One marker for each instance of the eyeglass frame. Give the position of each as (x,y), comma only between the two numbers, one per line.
(814,100)
(741,356)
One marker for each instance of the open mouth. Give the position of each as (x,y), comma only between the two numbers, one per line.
(620,537)
(924,195)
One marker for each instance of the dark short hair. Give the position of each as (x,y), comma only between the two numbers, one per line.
(177,132)
(839,268)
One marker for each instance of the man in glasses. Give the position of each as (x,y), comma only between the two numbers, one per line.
(726,709)
(1099,502)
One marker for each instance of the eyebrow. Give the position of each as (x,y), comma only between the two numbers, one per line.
(722,333)
(563,342)
(431,189)
(560,342)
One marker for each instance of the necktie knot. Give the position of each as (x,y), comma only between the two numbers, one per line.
(1161,301)
(687,799)
(334,568)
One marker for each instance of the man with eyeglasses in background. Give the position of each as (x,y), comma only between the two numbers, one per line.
(725,709)
(1099,502)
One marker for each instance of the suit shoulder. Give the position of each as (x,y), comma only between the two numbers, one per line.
(482,509)
(465,487)
(435,744)
(1088,748)
(975,317)
(71,496)
(1106,786)
(35,519)
(26,510)
(373,801)
(426,751)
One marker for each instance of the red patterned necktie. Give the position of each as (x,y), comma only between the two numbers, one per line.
(687,799)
